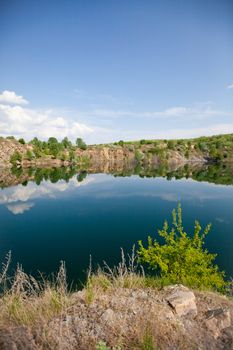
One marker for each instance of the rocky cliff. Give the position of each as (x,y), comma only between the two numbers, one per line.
(153,152)
(7,148)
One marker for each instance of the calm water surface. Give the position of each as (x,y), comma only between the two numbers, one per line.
(44,224)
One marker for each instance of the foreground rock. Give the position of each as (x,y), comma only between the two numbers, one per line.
(218,320)
(172,318)
(182,300)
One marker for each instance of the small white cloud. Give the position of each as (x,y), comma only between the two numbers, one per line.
(230,86)
(19,208)
(10,97)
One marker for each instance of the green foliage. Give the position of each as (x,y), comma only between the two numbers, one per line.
(81,144)
(54,146)
(103,346)
(71,155)
(121,143)
(52,174)
(138,156)
(16,170)
(147,342)
(81,176)
(29,155)
(66,143)
(182,258)
(171,144)
(16,158)
(22,141)
(51,148)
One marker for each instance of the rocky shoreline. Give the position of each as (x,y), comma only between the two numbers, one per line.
(96,155)
(175,317)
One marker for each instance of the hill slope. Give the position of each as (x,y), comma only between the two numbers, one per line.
(154,152)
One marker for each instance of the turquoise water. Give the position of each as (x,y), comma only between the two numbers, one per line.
(71,220)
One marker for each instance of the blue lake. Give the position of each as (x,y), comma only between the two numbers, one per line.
(45,223)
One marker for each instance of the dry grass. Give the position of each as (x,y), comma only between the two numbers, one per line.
(127,274)
(28,302)
(50,315)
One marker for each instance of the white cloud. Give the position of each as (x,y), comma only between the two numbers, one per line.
(19,208)
(10,97)
(230,86)
(198,111)
(24,122)
(18,199)
(108,125)
(215,129)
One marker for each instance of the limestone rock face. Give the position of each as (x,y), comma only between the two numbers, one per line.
(217,320)
(8,148)
(182,300)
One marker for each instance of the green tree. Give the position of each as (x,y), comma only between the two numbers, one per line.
(182,258)
(80,143)
(66,143)
(81,176)
(54,146)
(22,141)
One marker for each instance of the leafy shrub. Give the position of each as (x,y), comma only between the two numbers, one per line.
(29,155)
(22,141)
(171,144)
(138,155)
(182,258)
(16,158)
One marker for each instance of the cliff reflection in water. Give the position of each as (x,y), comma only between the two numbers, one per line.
(220,173)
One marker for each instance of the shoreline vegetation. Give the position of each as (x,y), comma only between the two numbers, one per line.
(185,303)
(18,153)
(216,173)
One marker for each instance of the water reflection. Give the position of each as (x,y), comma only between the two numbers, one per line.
(22,187)
(48,215)
(19,198)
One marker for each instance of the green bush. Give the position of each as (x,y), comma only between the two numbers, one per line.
(138,155)
(29,155)
(171,144)
(22,141)
(16,158)
(182,258)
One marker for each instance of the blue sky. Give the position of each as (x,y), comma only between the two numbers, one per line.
(107,70)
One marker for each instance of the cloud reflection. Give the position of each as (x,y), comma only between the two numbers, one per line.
(18,199)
